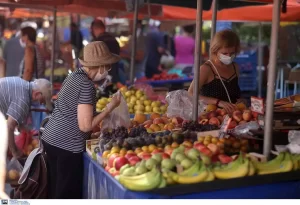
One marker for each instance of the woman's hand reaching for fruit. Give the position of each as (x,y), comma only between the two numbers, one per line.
(115,102)
(228,107)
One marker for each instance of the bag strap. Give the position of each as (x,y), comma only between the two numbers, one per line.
(221,80)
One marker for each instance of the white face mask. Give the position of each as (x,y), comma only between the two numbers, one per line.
(226,59)
(23,45)
(100,76)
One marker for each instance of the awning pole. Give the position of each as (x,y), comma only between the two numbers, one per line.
(197,59)
(271,79)
(214,18)
(53,47)
(133,45)
(260,60)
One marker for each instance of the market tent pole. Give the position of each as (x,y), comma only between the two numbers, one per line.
(214,18)
(197,59)
(271,78)
(260,60)
(133,50)
(53,48)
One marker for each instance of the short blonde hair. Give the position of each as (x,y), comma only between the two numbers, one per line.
(224,39)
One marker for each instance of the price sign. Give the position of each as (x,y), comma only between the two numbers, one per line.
(224,126)
(257,105)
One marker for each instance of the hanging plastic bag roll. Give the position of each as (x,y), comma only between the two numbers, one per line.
(181,105)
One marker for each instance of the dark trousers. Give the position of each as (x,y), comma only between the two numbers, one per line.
(66,173)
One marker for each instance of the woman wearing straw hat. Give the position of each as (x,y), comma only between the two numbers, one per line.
(73,119)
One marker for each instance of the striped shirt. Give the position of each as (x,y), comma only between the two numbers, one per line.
(62,129)
(15,98)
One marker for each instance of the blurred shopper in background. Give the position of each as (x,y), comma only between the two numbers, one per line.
(33,64)
(154,48)
(99,34)
(76,38)
(185,47)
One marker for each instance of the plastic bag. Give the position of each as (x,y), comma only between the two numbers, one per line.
(294,137)
(14,170)
(244,130)
(118,117)
(181,105)
(148,90)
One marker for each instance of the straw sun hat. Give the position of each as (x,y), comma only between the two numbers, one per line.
(97,54)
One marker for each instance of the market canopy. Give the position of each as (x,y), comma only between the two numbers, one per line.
(248,13)
(88,7)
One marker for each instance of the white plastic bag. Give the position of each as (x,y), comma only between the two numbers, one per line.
(167,61)
(181,105)
(118,117)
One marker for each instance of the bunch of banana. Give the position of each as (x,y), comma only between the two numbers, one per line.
(195,174)
(296,161)
(144,182)
(235,169)
(282,163)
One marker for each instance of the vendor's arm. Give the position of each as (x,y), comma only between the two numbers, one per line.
(29,63)
(204,78)
(2,68)
(11,125)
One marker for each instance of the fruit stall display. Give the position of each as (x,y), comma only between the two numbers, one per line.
(137,102)
(159,77)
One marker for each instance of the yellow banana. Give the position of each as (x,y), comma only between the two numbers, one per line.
(197,177)
(163,183)
(145,182)
(284,166)
(192,170)
(210,176)
(273,164)
(236,171)
(252,169)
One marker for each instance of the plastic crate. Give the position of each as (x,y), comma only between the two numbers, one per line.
(248,71)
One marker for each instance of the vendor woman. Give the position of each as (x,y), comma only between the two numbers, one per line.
(73,119)
(218,82)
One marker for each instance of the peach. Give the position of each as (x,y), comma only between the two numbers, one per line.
(214,121)
(161,126)
(220,118)
(140,118)
(157,121)
(165,119)
(154,115)
(155,128)
(177,120)
(147,126)
(148,122)
(188,144)
(247,115)
(241,106)
(213,148)
(242,122)
(169,127)
(202,116)
(237,115)
(221,112)
(212,114)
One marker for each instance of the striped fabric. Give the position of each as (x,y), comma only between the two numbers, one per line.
(15,98)
(62,129)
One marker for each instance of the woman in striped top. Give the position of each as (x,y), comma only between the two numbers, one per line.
(73,119)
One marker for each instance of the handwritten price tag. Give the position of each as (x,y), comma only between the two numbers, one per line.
(224,126)
(257,105)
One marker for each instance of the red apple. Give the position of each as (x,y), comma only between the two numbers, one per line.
(111,159)
(155,151)
(133,160)
(107,168)
(215,158)
(113,172)
(212,114)
(214,121)
(129,155)
(224,159)
(169,152)
(165,156)
(206,152)
(199,146)
(144,155)
(119,162)
(213,148)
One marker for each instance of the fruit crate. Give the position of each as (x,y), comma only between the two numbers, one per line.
(184,189)
(92,147)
